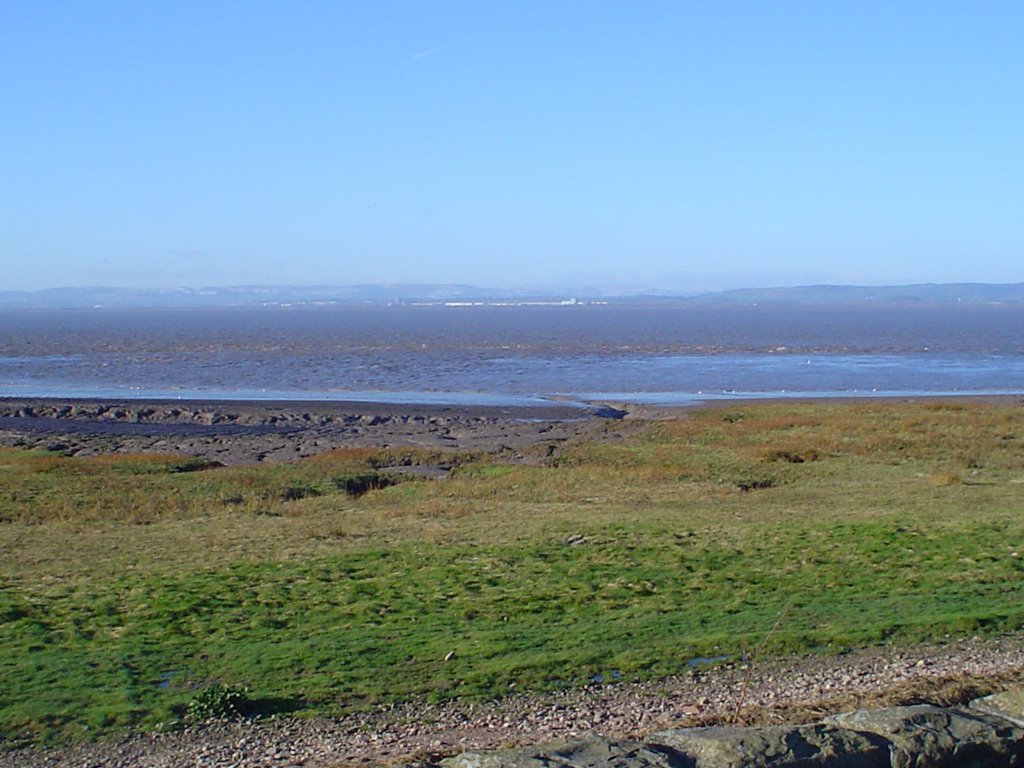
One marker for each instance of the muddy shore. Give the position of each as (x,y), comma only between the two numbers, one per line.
(244,432)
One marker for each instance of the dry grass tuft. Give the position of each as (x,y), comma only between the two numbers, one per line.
(943,479)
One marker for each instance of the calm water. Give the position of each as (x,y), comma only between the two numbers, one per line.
(512,354)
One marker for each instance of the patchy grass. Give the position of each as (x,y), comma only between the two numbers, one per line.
(148,488)
(130,588)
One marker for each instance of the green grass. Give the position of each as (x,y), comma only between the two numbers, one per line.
(127,586)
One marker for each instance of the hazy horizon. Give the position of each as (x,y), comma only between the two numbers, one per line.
(255,296)
(536,287)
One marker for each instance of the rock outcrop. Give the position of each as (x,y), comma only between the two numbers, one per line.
(989,733)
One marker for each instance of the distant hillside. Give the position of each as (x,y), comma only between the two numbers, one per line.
(924,293)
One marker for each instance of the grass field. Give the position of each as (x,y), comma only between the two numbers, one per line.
(128,585)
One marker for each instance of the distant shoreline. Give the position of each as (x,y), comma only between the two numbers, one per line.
(458,294)
(551,407)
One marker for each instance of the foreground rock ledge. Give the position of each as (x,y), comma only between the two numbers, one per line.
(988,732)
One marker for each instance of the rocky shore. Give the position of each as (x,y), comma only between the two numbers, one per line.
(794,690)
(240,432)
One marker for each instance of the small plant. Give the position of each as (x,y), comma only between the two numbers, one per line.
(791,457)
(194,464)
(362,484)
(297,492)
(756,484)
(752,663)
(218,702)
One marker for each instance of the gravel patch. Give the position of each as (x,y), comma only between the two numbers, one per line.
(781,690)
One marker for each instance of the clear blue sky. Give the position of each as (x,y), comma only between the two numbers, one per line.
(631,144)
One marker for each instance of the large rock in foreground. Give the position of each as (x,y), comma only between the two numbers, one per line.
(987,734)
(924,735)
(1008,705)
(588,753)
(798,745)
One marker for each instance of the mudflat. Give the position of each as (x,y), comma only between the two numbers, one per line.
(248,431)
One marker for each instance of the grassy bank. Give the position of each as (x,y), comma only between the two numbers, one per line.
(129,584)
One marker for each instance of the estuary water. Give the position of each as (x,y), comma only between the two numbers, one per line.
(495,355)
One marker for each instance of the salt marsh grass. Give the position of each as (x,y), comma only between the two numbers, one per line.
(130,583)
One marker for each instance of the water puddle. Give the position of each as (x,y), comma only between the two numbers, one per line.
(167,677)
(602,677)
(703,661)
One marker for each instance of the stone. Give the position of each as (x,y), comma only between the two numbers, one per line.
(986,735)
(926,736)
(791,746)
(589,753)
(1009,705)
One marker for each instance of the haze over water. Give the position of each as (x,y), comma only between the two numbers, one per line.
(500,355)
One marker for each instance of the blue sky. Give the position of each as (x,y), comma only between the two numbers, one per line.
(675,145)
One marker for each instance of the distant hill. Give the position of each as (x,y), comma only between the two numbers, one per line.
(924,293)
(410,293)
